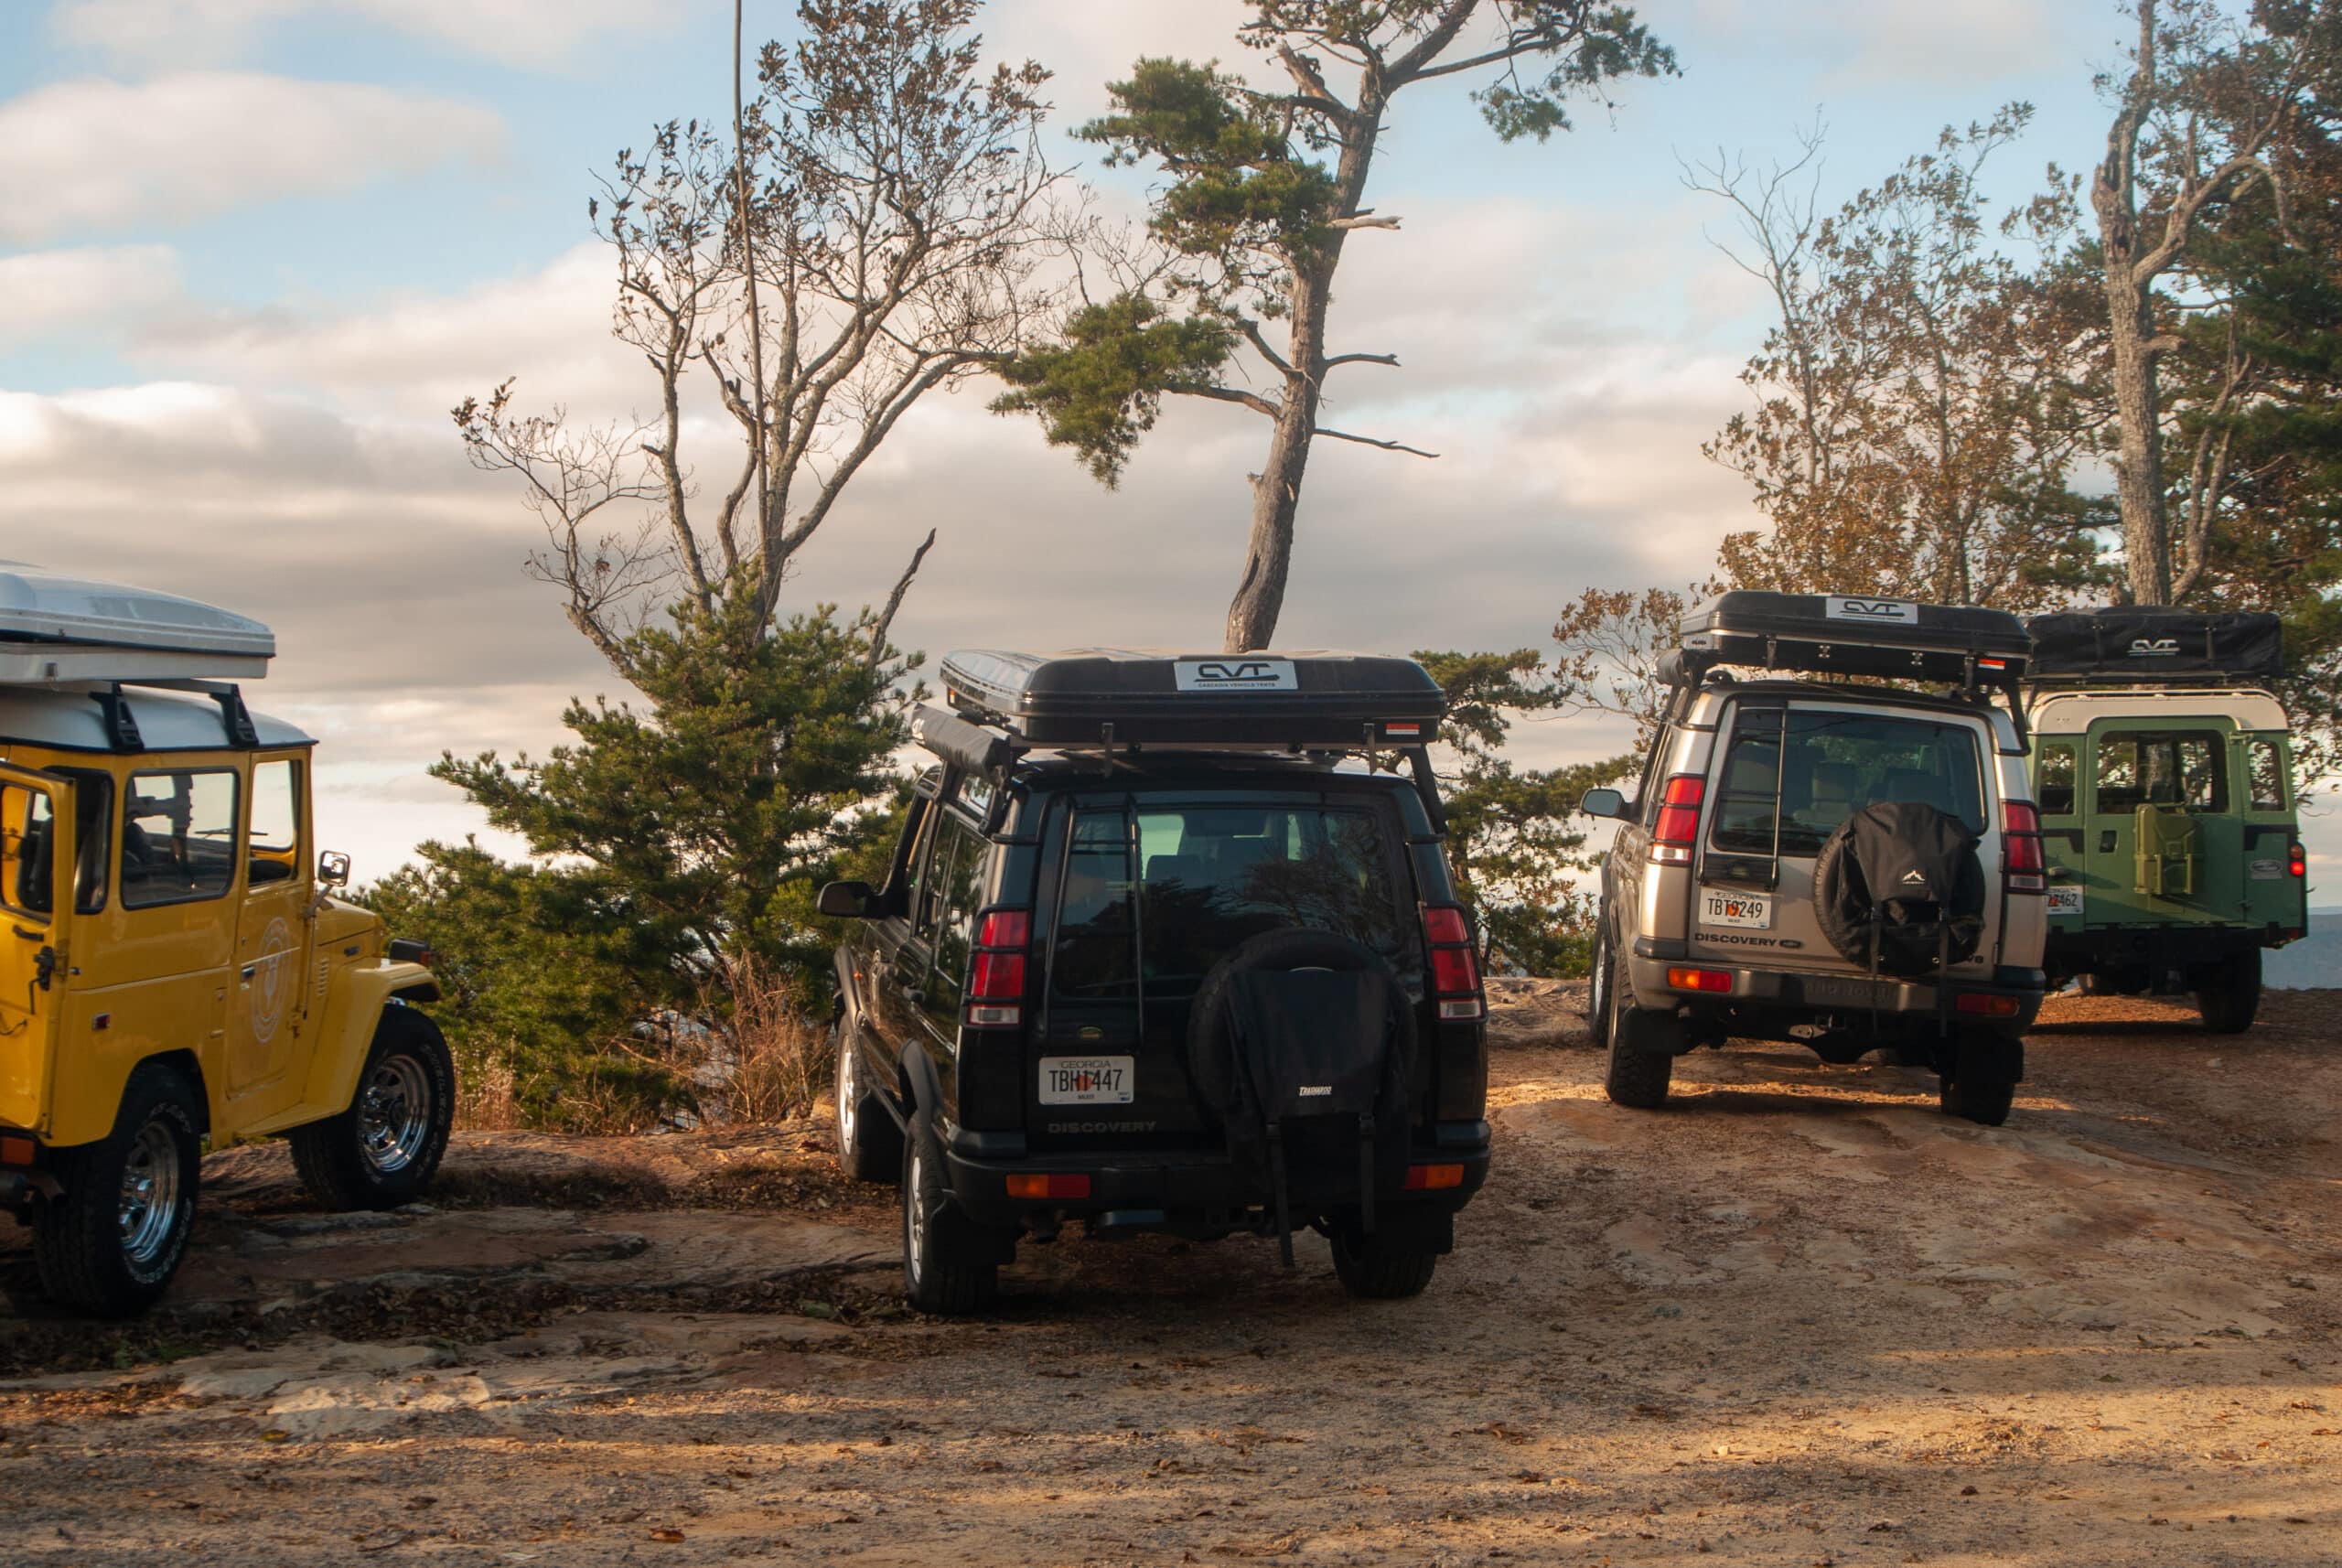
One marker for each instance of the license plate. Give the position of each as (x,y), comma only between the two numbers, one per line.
(1085,1081)
(1751,911)
(2065,900)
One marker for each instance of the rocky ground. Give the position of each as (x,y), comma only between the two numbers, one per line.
(1798,1318)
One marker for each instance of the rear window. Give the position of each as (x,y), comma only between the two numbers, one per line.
(1791,777)
(2141,768)
(1207,880)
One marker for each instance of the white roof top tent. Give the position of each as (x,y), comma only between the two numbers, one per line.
(69,646)
(60,630)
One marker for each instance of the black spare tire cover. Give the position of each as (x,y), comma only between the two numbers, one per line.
(1908,871)
(1212,1053)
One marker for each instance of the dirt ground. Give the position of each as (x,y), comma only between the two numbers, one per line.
(1799,1317)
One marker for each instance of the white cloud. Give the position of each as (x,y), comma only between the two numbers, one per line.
(49,294)
(95,155)
(213,32)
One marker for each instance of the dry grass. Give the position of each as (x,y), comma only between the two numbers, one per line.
(781,1060)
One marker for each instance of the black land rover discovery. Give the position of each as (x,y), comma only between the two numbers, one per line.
(1165,947)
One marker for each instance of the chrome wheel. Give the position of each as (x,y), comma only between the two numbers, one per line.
(914,1216)
(847,1097)
(148,1209)
(393,1114)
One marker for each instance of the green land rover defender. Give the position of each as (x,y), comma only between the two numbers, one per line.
(2164,772)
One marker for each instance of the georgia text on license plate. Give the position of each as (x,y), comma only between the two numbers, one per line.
(1085,1081)
(1751,910)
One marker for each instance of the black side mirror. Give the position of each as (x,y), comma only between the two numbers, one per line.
(333,868)
(847,901)
(1603,803)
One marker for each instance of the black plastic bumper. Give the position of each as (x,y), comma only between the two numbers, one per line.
(1182,1190)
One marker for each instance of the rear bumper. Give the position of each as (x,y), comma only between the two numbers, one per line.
(2081,950)
(1898,1004)
(1183,1189)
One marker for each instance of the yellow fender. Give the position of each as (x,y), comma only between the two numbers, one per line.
(346,1034)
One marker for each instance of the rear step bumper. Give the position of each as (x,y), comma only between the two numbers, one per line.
(1763,989)
(1183,1189)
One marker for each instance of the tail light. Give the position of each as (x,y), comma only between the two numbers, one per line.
(2300,862)
(1434,1178)
(2024,868)
(996,972)
(1455,967)
(1981,1005)
(1047,1186)
(1677,828)
(1699,980)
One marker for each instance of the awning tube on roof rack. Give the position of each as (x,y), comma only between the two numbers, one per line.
(972,747)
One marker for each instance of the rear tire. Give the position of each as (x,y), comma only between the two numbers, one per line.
(2233,997)
(1985,1101)
(109,1245)
(1374,1268)
(1638,1073)
(870,1148)
(936,1277)
(383,1150)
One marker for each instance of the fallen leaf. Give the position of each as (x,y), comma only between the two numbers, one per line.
(274,1435)
(670,1536)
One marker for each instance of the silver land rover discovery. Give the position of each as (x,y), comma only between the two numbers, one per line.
(1834,842)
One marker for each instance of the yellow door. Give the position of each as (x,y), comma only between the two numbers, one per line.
(36,901)
(268,1014)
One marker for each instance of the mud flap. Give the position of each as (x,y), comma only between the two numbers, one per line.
(1989,1056)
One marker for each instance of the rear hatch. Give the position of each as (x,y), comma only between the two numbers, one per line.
(1144,892)
(1788,772)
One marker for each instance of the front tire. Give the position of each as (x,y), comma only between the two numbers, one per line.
(110,1243)
(936,1276)
(2232,995)
(384,1149)
(1599,986)
(1639,1066)
(869,1146)
(1374,1268)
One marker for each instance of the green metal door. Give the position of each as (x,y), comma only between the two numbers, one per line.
(2162,831)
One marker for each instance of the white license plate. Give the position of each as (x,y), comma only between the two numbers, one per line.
(2065,900)
(1085,1081)
(1752,911)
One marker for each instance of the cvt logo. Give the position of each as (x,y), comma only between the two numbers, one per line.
(1877,611)
(2154,648)
(1234,675)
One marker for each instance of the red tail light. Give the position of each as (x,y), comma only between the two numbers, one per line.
(2300,862)
(2024,867)
(1434,1178)
(1699,980)
(1455,967)
(1677,828)
(1031,1187)
(1978,1004)
(996,972)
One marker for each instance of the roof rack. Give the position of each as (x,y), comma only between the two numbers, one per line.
(1118,702)
(2155,645)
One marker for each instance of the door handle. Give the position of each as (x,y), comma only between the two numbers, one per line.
(247,972)
(44,967)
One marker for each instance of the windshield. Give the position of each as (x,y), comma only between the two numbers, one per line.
(1802,772)
(1209,878)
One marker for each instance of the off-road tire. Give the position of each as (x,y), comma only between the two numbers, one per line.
(2228,1005)
(385,1147)
(1373,1268)
(1637,1075)
(870,1146)
(936,1278)
(87,1261)
(1600,985)
(1983,1100)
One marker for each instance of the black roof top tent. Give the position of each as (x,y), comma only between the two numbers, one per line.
(1115,702)
(1853,634)
(2151,645)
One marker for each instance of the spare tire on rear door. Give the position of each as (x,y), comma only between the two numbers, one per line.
(1899,887)
(1303,1045)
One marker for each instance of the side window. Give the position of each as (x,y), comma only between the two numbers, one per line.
(179,837)
(27,840)
(957,928)
(1647,803)
(1093,955)
(934,877)
(273,850)
(2054,786)
(2264,765)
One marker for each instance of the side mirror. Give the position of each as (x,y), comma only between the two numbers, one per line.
(1603,803)
(333,868)
(847,901)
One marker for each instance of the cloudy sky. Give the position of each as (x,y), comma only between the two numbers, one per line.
(253,250)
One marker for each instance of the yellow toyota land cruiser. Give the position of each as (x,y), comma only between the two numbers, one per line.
(173,967)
